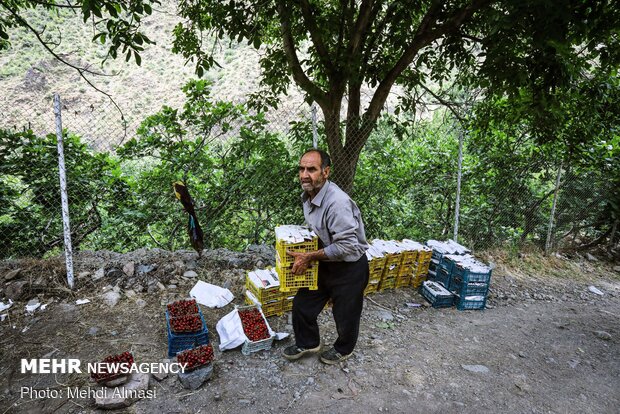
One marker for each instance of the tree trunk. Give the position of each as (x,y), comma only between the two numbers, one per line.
(345,155)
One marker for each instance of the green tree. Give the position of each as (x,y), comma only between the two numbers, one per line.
(333,49)
(240,175)
(30,219)
(116,23)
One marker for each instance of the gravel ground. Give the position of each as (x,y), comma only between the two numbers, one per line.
(546,344)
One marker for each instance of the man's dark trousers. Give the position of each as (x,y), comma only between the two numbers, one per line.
(344,283)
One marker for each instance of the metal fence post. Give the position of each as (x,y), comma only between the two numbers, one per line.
(315,139)
(66,226)
(551,216)
(458,188)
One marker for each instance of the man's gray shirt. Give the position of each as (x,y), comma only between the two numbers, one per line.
(337,220)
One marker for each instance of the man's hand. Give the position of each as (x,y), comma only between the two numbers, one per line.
(303,260)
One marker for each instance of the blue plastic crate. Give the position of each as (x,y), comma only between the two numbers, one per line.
(443,277)
(432,275)
(462,276)
(473,289)
(473,302)
(468,276)
(178,342)
(470,294)
(449,262)
(436,295)
(437,256)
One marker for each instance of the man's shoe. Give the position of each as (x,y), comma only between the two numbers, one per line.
(294,352)
(333,357)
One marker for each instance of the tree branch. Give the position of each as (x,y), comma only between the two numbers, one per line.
(445,103)
(361,26)
(148,230)
(317,39)
(81,70)
(289,48)
(424,36)
(56,5)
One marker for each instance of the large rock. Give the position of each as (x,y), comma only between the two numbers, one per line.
(114,273)
(99,274)
(476,368)
(160,376)
(111,298)
(606,336)
(15,290)
(123,396)
(129,268)
(12,274)
(194,379)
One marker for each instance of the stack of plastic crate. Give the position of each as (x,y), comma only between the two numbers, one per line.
(422,259)
(180,341)
(440,249)
(445,268)
(376,263)
(409,257)
(263,287)
(470,282)
(287,301)
(297,239)
(392,253)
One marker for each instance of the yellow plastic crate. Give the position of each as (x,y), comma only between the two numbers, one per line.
(389,283)
(372,287)
(422,268)
(287,305)
(405,270)
(290,282)
(263,295)
(375,267)
(409,257)
(402,281)
(269,309)
(417,280)
(306,246)
(392,267)
(424,255)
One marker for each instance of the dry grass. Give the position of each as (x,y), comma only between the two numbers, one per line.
(531,264)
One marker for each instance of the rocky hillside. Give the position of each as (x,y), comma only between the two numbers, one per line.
(29,75)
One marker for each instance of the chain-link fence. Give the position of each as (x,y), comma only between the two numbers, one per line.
(240,168)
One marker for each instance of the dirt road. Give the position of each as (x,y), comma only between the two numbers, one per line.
(544,347)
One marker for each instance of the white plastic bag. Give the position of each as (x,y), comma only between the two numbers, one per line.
(210,295)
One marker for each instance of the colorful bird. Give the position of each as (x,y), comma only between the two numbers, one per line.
(193,227)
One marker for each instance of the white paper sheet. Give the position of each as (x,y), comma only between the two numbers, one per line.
(210,295)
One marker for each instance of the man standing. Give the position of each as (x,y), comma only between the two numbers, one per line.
(343,266)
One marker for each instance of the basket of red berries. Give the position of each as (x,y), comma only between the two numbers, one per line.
(182,307)
(196,358)
(256,329)
(186,326)
(112,367)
